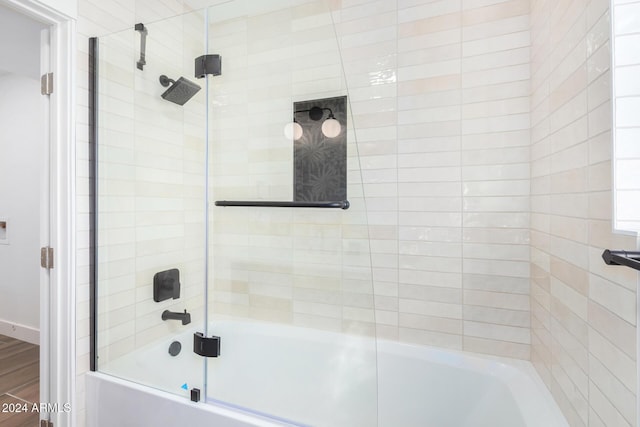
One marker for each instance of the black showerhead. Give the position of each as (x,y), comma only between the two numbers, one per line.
(180,91)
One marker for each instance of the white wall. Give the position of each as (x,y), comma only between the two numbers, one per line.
(20,159)
(19,44)
(20,136)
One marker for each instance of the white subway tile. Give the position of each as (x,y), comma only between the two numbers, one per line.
(408,13)
(498,332)
(617,299)
(430,40)
(610,356)
(450,311)
(496,300)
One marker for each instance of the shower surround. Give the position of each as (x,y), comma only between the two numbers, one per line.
(439,97)
(583,312)
(484,142)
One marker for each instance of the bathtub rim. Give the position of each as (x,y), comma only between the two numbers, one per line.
(531,395)
(227,412)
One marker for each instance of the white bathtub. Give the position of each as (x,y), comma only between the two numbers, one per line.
(262,367)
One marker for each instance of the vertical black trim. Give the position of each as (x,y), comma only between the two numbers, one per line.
(93,208)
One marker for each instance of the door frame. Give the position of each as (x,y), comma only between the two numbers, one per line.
(58,325)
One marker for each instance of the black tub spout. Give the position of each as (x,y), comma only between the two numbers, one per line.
(185,317)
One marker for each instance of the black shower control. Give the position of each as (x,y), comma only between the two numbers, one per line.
(166,285)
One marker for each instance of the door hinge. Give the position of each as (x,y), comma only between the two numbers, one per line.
(208,64)
(46,84)
(46,423)
(206,346)
(46,257)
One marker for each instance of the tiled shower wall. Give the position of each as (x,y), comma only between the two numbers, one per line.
(439,96)
(151,166)
(152,152)
(439,92)
(583,312)
(308,267)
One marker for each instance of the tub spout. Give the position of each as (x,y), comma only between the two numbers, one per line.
(185,317)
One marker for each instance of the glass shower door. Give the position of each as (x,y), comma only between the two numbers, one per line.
(151,211)
(290,288)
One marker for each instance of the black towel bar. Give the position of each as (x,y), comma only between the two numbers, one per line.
(342,204)
(626,258)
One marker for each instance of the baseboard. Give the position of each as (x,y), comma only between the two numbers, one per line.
(20,332)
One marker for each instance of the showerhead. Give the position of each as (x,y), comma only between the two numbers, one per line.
(179,91)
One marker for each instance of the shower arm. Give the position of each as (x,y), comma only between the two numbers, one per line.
(143,45)
(166,81)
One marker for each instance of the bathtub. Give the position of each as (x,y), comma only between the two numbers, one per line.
(256,382)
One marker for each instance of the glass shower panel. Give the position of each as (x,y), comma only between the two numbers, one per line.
(290,289)
(151,204)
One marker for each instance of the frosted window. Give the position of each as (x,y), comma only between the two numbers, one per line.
(626,114)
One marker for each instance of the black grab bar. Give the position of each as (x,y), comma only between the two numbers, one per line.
(626,258)
(342,204)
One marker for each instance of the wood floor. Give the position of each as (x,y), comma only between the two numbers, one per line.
(19,382)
